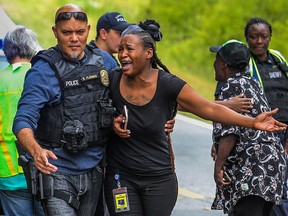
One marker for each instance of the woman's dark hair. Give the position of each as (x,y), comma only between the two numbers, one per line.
(152,27)
(256,20)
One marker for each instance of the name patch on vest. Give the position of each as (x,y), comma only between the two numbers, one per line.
(275,75)
(89,77)
(72,83)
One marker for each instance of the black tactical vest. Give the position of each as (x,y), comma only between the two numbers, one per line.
(275,84)
(85,114)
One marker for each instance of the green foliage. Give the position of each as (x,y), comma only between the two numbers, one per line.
(189,27)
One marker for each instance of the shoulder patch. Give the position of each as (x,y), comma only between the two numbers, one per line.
(104,78)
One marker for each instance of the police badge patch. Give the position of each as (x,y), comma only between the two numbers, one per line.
(104,78)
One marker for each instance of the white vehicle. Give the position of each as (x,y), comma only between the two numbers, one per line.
(6,25)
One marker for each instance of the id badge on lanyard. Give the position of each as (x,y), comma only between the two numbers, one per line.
(120,195)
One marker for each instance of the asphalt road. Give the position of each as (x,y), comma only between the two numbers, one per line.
(192,141)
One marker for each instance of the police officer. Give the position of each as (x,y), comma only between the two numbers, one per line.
(64,116)
(109,28)
(269,67)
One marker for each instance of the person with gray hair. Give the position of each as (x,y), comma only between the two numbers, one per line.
(20,45)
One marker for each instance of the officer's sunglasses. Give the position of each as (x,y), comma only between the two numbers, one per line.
(67,16)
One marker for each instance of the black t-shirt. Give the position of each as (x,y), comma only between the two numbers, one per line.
(146,152)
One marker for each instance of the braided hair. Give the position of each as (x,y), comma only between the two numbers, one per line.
(256,20)
(152,28)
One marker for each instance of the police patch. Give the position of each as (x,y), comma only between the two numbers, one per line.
(104,78)
(71,83)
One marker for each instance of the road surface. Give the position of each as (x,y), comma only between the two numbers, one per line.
(192,141)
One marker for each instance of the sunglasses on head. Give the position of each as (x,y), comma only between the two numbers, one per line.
(67,16)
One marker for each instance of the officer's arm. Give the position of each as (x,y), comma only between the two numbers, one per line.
(26,138)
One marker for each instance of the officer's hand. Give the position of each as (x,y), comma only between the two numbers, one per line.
(41,161)
(169,126)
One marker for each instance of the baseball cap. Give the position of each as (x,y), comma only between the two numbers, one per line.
(234,53)
(112,20)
